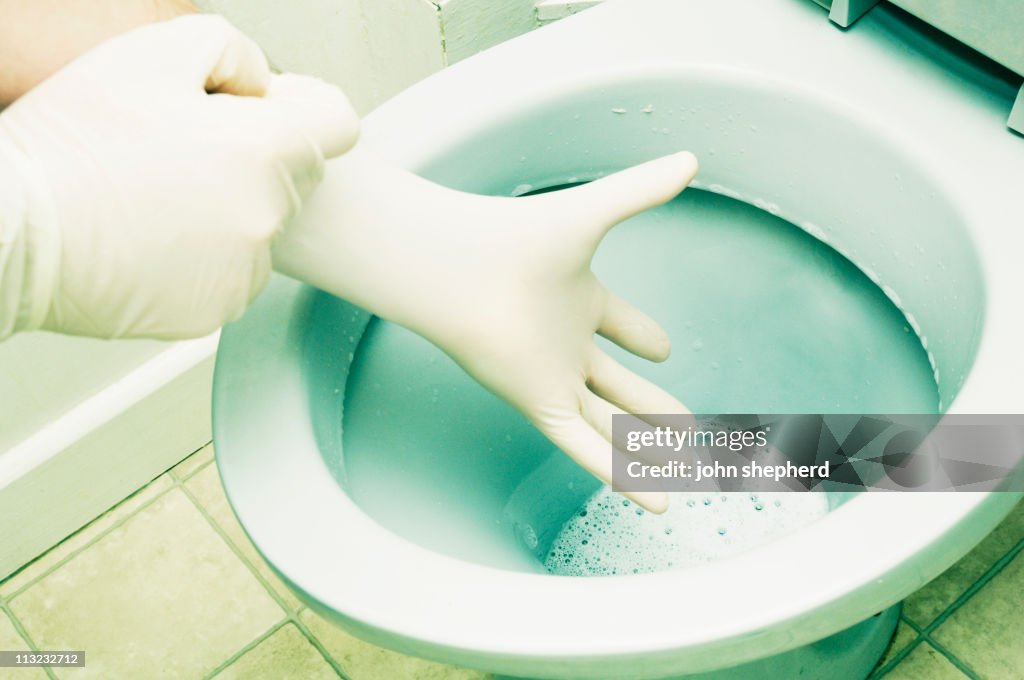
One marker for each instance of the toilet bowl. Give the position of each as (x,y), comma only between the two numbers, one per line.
(880,141)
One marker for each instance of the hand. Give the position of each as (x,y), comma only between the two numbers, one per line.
(503,285)
(161,165)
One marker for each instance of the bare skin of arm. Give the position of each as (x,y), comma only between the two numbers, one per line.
(38,37)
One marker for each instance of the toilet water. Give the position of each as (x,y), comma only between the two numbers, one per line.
(763,319)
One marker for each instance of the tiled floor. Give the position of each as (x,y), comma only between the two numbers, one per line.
(143,606)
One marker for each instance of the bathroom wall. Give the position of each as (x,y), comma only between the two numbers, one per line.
(371,48)
(375,48)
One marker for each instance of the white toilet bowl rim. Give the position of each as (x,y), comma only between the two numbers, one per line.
(323,544)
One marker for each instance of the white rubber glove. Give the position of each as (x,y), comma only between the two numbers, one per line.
(140,205)
(503,285)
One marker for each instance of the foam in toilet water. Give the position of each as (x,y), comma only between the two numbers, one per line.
(612,536)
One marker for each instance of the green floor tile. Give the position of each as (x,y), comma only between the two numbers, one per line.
(193,463)
(206,488)
(363,661)
(923,606)
(10,641)
(987,631)
(85,535)
(285,655)
(161,596)
(904,636)
(925,663)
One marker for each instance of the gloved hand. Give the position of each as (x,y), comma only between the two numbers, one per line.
(146,180)
(503,285)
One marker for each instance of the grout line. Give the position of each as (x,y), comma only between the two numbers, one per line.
(175,476)
(910,623)
(178,479)
(95,539)
(231,546)
(441,31)
(20,629)
(980,583)
(171,475)
(179,483)
(964,667)
(253,644)
(944,615)
(315,641)
(923,634)
(290,616)
(100,535)
(903,653)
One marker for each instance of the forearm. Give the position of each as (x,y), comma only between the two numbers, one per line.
(38,37)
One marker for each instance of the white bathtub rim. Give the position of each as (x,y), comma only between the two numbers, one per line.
(106,405)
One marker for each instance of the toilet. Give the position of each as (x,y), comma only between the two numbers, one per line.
(882,141)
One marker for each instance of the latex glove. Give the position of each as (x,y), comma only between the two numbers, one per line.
(503,285)
(147,205)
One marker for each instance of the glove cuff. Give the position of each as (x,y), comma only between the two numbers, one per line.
(29,241)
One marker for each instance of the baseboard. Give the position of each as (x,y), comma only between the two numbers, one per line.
(104,449)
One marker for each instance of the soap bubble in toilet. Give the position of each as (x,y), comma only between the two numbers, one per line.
(607,538)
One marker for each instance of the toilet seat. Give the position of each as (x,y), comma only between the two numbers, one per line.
(880,547)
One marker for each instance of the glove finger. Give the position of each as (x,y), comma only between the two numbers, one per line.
(627,390)
(600,413)
(594,453)
(316,109)
(632,330)
(615,198)
(240,69)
